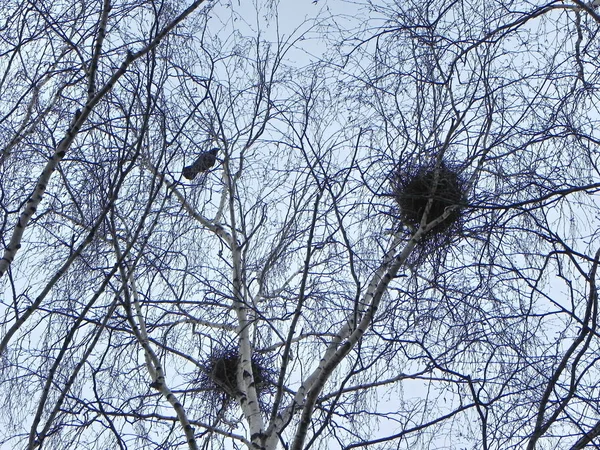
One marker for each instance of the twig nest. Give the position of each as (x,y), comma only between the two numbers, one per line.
(219,377)
(443,186)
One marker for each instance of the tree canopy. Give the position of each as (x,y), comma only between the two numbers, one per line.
(394,246)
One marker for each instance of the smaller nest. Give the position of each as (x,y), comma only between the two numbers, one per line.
(413,191)
(219,377)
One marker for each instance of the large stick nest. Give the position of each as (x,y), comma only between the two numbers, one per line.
(443,186)
(219,377)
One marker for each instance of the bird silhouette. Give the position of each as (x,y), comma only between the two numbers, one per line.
(204,162)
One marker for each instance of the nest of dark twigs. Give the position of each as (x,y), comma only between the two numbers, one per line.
(441,185)
(219,376)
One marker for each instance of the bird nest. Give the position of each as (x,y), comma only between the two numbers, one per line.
(219,376)
(430,191)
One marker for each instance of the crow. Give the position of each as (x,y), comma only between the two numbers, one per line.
(204,162)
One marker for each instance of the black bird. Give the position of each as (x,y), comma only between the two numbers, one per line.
(204,162)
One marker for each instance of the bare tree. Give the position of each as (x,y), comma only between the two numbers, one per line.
(393,247)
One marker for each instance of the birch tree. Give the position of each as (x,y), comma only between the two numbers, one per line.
(302,289)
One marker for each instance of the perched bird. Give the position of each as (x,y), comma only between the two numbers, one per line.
(204,162)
